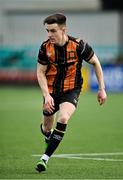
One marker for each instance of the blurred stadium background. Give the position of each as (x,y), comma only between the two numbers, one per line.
(100,23)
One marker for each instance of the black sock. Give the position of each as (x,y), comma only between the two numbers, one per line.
(55,138)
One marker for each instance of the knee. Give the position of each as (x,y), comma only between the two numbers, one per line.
(63,118)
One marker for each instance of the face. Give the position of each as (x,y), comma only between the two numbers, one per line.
(55,33)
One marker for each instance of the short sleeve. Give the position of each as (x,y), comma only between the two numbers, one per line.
(86,51)
(42,58)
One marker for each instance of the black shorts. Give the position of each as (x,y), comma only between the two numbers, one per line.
(71,96)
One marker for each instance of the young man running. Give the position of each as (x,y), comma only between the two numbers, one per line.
(59,75)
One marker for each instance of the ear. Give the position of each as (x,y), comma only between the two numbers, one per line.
(64,29)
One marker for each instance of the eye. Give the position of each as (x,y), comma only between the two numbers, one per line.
(53,30)
(47,30)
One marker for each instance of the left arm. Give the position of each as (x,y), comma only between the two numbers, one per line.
(101,96)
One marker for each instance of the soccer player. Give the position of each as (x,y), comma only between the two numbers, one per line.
(59,75)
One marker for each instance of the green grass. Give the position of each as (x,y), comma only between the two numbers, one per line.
(92,129)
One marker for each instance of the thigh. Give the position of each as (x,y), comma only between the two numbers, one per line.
(71,97)
(65,112)
(56,106)
(68,104)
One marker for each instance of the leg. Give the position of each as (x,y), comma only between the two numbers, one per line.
(47,123)
(48,120)
(46,129)
(66,110)
(47,126)
(68,103)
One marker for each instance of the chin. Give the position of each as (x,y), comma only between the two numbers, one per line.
(52,41)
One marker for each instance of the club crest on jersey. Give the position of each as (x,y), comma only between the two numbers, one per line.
(71,55)
(49,54)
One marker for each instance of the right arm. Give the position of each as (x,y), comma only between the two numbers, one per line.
(49,102)
(41,70)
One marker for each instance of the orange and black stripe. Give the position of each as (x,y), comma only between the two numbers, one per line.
(64,64)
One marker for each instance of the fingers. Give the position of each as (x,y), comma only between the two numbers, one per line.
(49,104)
(101,101)
(101,96)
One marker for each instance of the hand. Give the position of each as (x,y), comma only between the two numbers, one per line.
(101,96)
(49,103)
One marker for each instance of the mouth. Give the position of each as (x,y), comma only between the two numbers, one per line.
(52,39)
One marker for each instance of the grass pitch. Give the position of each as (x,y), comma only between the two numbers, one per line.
(93,141)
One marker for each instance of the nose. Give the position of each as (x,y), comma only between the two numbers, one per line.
(49,34)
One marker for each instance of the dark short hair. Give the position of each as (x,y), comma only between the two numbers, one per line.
(59,19)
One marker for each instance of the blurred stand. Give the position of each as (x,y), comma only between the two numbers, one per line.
(18,66)
(99,22)
(112,5)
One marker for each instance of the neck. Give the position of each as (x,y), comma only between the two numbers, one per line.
(63,40)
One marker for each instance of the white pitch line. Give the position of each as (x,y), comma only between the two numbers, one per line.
(92,154)
(79,156)
(89,158)
(86,154)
